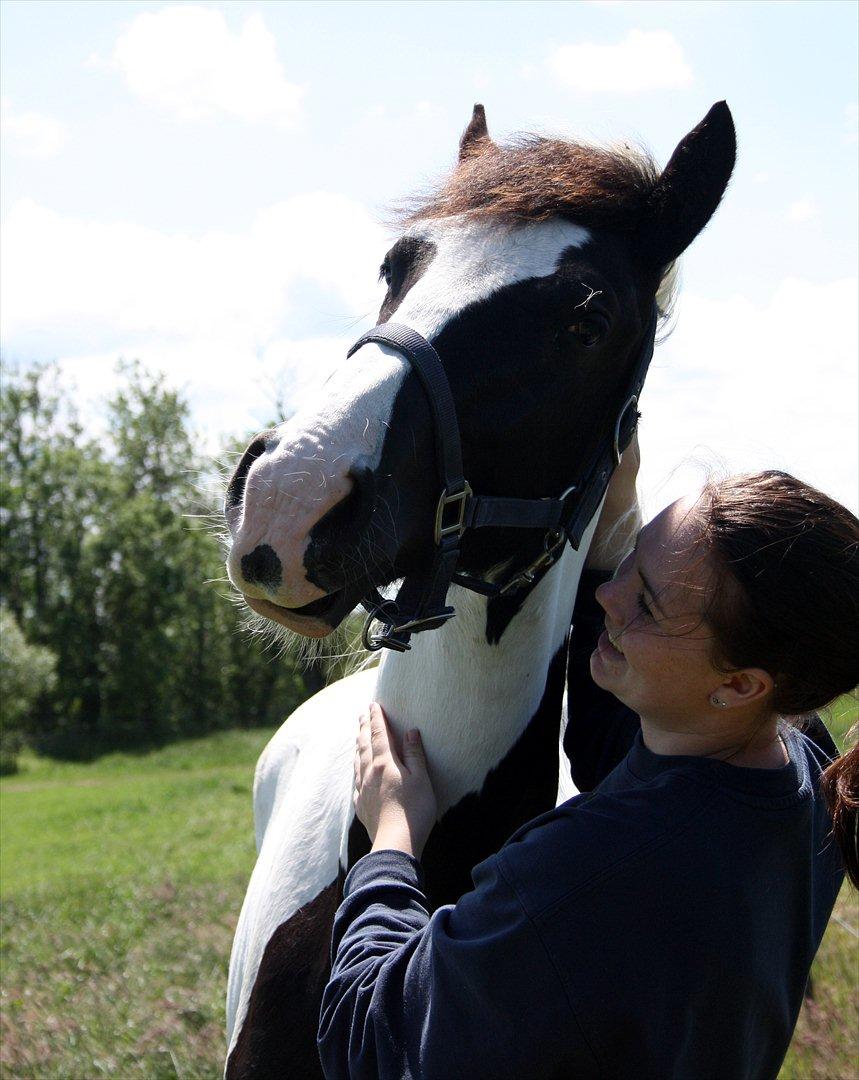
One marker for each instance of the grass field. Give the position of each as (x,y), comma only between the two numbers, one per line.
(121,882)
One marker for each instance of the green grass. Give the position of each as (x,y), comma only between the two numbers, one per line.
(121,881)
(826,1041)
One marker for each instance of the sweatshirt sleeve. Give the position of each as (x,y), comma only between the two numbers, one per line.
(600,729)
(469,992)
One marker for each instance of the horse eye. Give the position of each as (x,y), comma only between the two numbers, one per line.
(587,331)
(385,272)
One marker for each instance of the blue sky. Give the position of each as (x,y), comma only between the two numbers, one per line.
(201,185)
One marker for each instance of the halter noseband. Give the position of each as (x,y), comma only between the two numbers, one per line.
(420,602)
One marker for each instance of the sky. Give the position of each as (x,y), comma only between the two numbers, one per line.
(203,186)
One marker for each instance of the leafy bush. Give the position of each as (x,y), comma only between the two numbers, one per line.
(27,672)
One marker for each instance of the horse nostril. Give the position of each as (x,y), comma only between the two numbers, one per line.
(262,567)
(260,444)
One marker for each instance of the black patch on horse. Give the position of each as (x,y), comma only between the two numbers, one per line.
(262,567)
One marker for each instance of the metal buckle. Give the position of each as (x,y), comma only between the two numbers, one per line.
(388,638)
(553,545)
(458,528)
(633,401)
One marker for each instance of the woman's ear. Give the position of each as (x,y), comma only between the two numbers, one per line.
(747,687)
(690,188)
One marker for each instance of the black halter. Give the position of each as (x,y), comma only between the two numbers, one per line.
(420,603)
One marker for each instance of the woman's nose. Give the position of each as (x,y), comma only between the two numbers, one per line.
(609,595)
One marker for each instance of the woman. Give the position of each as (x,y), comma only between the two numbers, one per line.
(664,923)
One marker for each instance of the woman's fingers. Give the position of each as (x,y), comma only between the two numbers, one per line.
(379,740)
(363,749)
(413,752)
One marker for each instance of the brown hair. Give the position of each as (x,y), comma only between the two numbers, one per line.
(785,598)
(532,178)
(840,787)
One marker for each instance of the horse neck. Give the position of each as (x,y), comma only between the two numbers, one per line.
(471,700)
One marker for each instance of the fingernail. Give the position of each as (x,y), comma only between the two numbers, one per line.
(414,736)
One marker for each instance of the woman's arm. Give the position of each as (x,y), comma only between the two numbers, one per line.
(410,996)
(470,992)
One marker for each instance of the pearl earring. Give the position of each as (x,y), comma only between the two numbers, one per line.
(718,702)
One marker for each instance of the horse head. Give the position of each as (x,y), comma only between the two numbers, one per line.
(532,271)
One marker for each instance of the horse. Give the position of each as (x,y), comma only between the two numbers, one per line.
(533,271)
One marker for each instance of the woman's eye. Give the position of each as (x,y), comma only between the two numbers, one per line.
(587,332)
(385,272)
(642,606)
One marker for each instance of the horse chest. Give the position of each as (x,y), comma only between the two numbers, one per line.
(518,788)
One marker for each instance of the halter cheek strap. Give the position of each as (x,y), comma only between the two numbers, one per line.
(421,601)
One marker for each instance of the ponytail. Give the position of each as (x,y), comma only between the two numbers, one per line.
(840,786)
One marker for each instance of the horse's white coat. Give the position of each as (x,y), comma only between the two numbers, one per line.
(471,700)
(474,259)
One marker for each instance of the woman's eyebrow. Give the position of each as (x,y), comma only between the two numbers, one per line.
(653,593)
(644,581)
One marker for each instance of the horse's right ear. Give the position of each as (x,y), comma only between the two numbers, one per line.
(475,139)
(690,188)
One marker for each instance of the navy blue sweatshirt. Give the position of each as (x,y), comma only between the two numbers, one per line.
(661,925)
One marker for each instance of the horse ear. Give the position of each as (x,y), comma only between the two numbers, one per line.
(690,188)
(475,139)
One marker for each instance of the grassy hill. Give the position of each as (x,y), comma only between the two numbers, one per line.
(121,882)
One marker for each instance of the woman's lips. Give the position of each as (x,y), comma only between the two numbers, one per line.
(607,651)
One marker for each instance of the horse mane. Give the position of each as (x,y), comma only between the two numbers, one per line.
(533,178)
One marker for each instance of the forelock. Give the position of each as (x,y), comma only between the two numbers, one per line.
(533,178)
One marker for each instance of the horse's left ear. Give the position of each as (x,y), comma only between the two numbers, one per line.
(475,139)
(690,187)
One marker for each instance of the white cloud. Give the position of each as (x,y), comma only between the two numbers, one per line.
(748,386)
(804,209)
(643,60)
(188,62)
(762,177)
(232,388)
(31,134)
(73,282)
(219,312)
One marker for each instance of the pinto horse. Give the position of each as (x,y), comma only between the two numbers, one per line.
(532,271)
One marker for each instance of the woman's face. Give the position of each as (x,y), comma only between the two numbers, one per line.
(655,653)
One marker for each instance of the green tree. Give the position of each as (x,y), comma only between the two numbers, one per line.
(106,563)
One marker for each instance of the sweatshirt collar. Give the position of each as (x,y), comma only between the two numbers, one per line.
(789,780)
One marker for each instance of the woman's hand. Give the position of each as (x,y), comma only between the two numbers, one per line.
(620,518)
(394,797)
